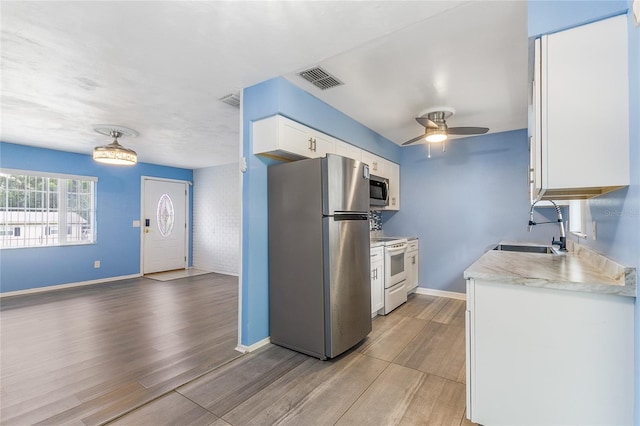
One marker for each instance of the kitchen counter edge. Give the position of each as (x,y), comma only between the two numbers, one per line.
(580,270)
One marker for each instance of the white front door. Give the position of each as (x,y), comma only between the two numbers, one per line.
(164,223)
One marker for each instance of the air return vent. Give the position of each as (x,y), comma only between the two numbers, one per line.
(320,78)
(231,99)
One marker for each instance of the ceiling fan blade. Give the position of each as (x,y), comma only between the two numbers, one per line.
(416,139)
(424,121)
(467,130)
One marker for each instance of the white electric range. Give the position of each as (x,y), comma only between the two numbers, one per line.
(395,275)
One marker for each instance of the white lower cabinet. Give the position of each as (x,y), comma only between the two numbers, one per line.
(411,266)
(377,279)
(542,356)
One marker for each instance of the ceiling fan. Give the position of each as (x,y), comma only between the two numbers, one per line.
(434,121)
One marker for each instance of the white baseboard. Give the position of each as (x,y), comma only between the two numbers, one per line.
(233,274)
(216,271)
(246,349)
(441,293)
(70,285)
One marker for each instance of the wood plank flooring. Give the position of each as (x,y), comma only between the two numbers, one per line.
(142,352)
(409,371)
(87,355)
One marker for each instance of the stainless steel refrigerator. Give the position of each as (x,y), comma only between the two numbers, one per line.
(319,273)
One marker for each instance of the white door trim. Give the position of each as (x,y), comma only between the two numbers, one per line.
(188,235)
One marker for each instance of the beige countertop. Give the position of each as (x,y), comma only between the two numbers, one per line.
(580,269)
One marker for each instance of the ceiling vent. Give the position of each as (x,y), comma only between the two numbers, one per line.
(320,78)
(231,99)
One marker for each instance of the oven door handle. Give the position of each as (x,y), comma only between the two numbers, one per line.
(395,249)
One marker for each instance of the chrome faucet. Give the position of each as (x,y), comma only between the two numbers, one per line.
(562,242)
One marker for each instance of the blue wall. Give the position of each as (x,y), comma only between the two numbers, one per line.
(617,214)
(462,202)
(278,96)
(117,206)
(549,16)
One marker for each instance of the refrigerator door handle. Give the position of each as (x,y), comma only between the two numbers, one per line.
(350,216)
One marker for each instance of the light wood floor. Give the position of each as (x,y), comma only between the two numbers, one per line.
(89,355)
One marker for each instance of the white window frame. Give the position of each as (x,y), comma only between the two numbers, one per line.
(579,218)
(62,207)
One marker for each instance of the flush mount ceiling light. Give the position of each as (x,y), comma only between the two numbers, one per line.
(436,135)
(114,153)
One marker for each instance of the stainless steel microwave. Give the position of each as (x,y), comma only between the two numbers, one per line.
(378,191)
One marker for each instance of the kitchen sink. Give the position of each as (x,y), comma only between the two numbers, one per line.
(527,248)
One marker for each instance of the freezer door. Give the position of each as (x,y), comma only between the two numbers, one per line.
(347,282)
(345,185)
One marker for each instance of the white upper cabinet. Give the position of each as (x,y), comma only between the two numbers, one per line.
(282,138)
(387,169)
(347,150)
(394,185)
(579,137)
(377,165)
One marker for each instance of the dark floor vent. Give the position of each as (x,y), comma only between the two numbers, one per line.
(320,78)
(231,99)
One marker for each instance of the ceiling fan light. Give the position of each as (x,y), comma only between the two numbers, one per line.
(435,135)
(114,153)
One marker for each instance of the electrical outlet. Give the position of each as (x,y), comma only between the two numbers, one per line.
(96,264)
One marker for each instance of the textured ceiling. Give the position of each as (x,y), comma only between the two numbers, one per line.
(160,67)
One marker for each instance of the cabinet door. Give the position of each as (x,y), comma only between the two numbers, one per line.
(553,351)
(415,260)
(377,283)
(321,144)
(535,146)
(585,110)
(376,164)
(348,150)
(393,172)
(295,138)
(411,266)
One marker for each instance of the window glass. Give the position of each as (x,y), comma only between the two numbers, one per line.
(165,215)
(578,213)
(46,210)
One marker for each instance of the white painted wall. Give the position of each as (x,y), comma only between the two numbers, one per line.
(216,219)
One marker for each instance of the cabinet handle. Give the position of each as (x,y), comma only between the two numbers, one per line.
(375,166)
(314,145)
(413,260)
(310,144)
